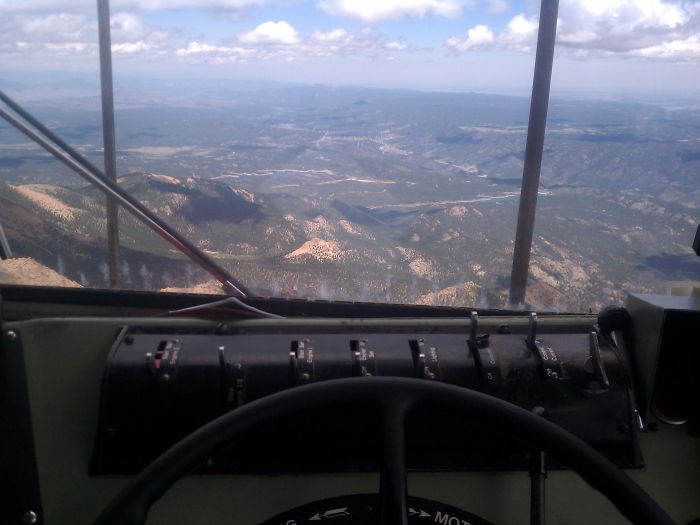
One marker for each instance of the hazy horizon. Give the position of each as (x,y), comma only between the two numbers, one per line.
(46,85)
(653,48)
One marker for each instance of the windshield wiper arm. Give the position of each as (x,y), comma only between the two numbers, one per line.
(83,167)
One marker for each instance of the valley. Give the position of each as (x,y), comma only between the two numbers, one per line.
(370,195)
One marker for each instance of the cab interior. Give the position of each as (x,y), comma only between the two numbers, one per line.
(59,345)
(123,406)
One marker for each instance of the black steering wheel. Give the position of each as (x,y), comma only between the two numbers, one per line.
(395,397)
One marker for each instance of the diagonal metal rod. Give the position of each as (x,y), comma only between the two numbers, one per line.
(75,155)
(110,148)
(539,103)
(5,252)
(143,214)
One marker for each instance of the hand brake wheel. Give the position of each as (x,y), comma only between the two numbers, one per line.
(395,397)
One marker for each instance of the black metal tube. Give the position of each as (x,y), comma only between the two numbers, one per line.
(110,148)
(143,214)
(393,492)
(538,475)
(539,103)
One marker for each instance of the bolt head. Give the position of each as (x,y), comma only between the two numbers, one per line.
(29,518)
(11,335)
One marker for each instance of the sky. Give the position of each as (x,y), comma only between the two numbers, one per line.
(617,46)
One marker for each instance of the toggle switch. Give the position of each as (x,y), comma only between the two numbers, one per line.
(596,360)
(550,366)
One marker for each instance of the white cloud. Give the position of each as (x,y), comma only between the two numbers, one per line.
(71,35)
(28,6)
(334,35)
(340,42)
(640,28)
(47,36)
(195,48)
(217,54)
(166,5)
(73,6)
(520,33)
(378,10)
(126,26)
(334,43)
(130,48)
(477,37)
(398,46)
(71,47)
(648,29)
(620,26)
(59,26)
(625,13)
(686,49)
(271,33)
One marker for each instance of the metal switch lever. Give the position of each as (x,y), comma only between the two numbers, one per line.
(597,360)
(532,331)
(550,366)
(476,340)
(473,327)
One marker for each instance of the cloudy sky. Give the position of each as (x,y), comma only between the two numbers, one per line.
(485,45)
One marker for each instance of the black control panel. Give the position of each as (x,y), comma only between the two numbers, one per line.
(158,387)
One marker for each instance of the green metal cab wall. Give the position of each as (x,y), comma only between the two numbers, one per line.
(64,358)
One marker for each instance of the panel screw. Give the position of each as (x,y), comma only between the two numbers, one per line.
(11,335)
(29,518)
(305,376)
(165,377)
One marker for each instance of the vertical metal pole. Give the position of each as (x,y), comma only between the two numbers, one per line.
(539,103)
(5,252)
(109,140)
(538,476)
